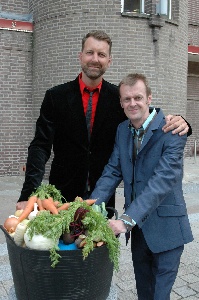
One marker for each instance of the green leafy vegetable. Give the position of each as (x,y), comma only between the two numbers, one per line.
(94,222)
(51,226)
(100,208)
(98,227)
(45,191)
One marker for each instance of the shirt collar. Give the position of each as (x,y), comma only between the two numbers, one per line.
(149,119)
(83,86)
(146,122)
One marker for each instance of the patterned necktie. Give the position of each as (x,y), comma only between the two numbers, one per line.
(88,123)
(138,136)
(89,111)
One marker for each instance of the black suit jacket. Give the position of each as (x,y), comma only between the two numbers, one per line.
(62,125)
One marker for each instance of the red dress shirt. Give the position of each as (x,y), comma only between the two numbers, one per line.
(85,97)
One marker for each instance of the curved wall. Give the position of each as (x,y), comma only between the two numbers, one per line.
(60,26)
(149,43)
(16,88)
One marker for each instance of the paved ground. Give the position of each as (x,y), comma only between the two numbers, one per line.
(187,282)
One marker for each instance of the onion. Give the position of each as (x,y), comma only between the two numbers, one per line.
(18,212)
(39,242)
(10,224)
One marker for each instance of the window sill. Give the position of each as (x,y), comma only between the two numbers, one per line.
(193,23)
(158,20)
(171,21)
(135,15)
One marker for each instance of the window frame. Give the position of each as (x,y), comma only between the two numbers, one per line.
(142,2)
(160,11)
(149,9)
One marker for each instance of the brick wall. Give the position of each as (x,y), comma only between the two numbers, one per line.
(14,6)
(193,105)
(59,28)
(193,77)
(16,93)
(193,11)
(153,46)
(193,21)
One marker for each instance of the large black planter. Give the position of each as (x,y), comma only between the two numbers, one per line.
(72,279)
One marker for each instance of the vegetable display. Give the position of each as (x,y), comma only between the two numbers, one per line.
(46,221)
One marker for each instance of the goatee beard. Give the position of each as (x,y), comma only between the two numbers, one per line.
(93,75)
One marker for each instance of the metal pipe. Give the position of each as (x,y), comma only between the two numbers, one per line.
(195,149)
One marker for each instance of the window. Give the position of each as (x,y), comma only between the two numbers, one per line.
(164,7)
(168,9)
(136,6)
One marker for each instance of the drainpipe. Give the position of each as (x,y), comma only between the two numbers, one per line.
(195,149)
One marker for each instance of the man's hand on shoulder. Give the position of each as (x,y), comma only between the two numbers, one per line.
(21,205)
(175,123)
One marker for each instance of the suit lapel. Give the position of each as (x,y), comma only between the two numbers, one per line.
(130,145)
(102,107)
(76,106)
(147,137)
(153,126)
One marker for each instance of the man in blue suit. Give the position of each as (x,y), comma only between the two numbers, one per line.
(155,210)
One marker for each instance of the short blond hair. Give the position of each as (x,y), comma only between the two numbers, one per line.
(131,80)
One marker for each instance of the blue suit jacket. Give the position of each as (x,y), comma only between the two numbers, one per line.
(159,208)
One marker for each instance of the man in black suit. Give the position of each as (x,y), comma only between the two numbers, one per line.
(80,154)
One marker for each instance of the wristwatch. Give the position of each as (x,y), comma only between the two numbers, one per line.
(128,222)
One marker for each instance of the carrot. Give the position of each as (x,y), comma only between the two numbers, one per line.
(79,199)
(90,201)
(28,209)
(40,205)
(57,203)
(64,206)
(49,205)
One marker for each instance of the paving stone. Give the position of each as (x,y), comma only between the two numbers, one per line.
(195,286)
(127,295)
(179,282)
(187,269)
(113,292)
(175,296)
(4,260)
(184,291)
(9,288)
(3,249)
(125,275)
(192,298)
(5,272)
(186,286)
(191,278)
(125,286)
(196,272)
(11,294)
(3,294)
